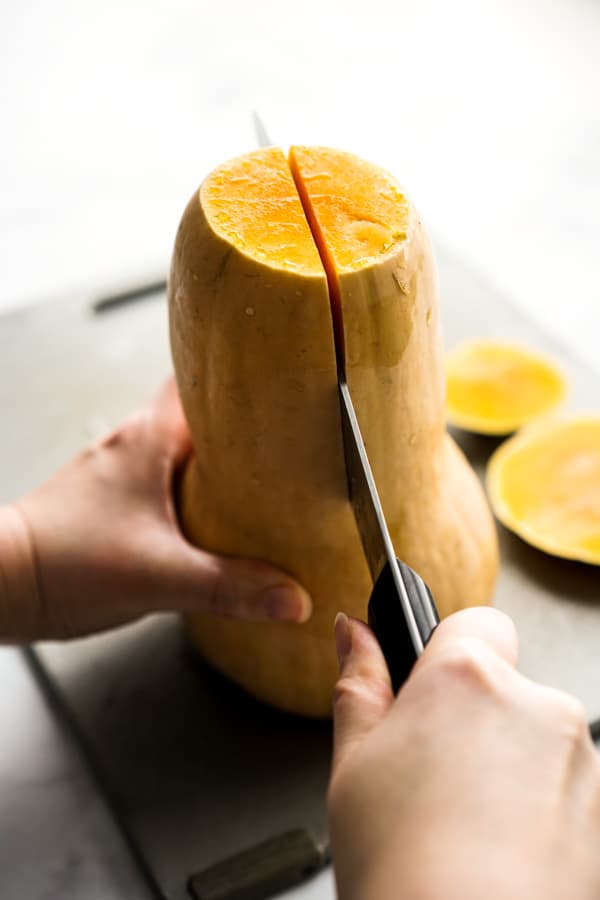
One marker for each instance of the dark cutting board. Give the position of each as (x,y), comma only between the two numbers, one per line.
(194,769)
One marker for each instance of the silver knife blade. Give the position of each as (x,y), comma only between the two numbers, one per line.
(262,135)
(368,512)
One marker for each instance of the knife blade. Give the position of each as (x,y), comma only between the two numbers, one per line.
(401,611)
(260,131)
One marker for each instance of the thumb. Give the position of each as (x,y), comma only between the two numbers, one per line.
(363,694)
(193,580)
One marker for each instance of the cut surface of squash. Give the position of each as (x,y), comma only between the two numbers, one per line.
(252,202)
(495,387)
(356,210)
(544,484)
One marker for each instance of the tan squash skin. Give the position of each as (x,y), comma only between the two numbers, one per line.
(438,516)
(255,362)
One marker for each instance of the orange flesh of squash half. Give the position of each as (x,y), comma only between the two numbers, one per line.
(544,484)
(495,387)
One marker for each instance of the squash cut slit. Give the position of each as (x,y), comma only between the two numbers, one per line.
(333,285)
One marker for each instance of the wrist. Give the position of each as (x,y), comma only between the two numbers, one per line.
(19,594)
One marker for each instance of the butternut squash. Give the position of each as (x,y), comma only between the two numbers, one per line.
(544,484)
(495,387)
(261,250)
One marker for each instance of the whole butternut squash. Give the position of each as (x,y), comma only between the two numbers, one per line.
(266,250)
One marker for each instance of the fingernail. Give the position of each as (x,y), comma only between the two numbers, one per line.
(343,637)
(284,603)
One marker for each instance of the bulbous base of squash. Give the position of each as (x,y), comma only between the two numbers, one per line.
(287,666)
(448,537)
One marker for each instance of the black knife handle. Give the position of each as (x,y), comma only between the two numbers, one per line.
(388,622)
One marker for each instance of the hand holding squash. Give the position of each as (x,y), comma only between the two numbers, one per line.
(473,782)
(98,545)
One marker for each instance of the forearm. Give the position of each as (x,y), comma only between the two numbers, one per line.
(19,597)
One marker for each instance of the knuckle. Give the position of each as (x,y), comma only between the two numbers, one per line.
(118,446)
(564,718)
(348,691)
(354,692)
(469,665)
(571,716)
(127,433)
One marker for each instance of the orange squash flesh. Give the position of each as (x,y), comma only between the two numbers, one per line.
(255,359)
(495,387)
(253,203)
(544,484)
(357,211)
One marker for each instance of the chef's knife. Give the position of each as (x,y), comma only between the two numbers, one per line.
(401,612)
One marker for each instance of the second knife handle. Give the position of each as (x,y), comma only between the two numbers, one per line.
(388,622)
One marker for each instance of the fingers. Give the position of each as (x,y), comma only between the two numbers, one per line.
(195,581)
(472,627)
(363,693)
(171,421)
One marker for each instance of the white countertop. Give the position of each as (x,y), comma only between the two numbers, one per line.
(112,114)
